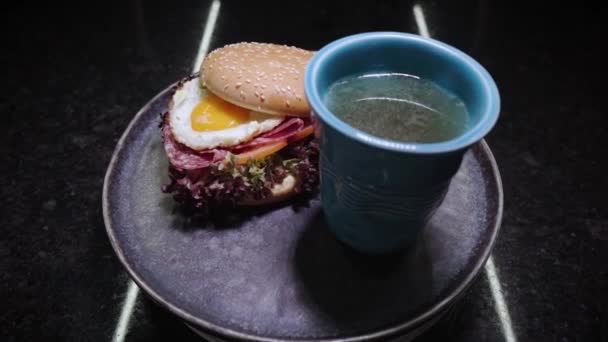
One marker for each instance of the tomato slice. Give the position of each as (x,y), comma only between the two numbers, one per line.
(268,149)
(260,152)
(302,134)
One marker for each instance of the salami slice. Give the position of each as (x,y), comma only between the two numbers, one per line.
(289,127)
(184,158)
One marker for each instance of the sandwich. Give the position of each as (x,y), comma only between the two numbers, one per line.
(239,132)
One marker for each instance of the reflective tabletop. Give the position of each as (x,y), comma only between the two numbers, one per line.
(75,74)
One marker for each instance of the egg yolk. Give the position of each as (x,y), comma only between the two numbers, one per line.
(213,113)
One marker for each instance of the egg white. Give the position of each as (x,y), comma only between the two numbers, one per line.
(183,102)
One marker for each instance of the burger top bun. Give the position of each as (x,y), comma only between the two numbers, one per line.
(263,77)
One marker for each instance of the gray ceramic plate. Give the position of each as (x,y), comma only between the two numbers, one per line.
(277,273)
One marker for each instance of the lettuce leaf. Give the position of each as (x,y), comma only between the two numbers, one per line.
(225,184)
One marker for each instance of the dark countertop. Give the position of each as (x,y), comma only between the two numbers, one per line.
(74,76)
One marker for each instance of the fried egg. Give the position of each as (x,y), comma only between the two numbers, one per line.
(201,120)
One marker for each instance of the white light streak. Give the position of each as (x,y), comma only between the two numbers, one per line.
(121,330)
(421,21)
(203,48)
(499,302)
(122,327)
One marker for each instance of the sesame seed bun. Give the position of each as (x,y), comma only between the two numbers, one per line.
(263,77)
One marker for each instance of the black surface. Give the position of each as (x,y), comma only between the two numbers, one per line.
(278,272)
(74,76)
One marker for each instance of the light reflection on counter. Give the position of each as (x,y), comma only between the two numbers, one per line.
(500,304)
(122,326)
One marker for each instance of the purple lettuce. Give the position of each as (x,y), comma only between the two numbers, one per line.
(225,184)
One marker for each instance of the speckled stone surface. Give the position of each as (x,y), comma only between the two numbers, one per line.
(75,74)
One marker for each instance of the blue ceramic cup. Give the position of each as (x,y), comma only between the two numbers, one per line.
(378,194)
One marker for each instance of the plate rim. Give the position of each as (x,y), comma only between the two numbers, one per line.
(216,330)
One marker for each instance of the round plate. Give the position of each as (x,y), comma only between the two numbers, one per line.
(277,273)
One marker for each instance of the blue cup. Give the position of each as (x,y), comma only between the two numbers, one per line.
(378,194)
